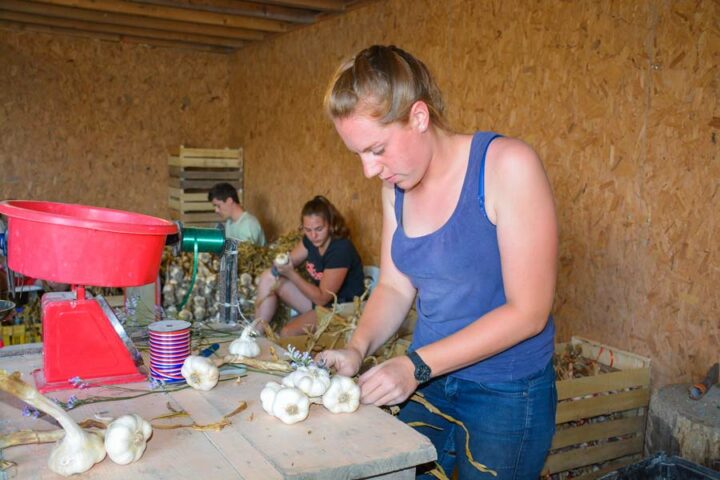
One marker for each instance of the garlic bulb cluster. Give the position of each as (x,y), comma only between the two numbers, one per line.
(204,298)
(290,400)
(247,291)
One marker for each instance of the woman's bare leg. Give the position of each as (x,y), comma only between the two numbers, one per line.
(300,324)
(269,289)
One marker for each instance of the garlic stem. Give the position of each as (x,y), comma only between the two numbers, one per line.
(29,437)
(15,386)
(255,363)
(78,450)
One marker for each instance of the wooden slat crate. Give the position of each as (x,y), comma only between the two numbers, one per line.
(193,172)
(19,334)
(621,397)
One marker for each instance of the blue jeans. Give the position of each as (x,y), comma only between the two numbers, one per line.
(511,424)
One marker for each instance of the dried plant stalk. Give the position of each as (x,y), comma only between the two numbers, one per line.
(433,409)
(30,437)
(264,365)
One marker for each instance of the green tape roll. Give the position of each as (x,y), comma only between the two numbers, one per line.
(207,240)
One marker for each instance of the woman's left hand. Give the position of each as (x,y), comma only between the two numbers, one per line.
(284,270)
(389,383)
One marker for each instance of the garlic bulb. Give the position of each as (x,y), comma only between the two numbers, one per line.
(245,346)
(267,395)
(281,259)
(313,381)
(199,312)
(200,372)
(168,293)
(78,450)
(126,438)
(291,405)
(246,279)
(343,395)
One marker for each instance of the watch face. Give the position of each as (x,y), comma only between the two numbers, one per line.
(422,373)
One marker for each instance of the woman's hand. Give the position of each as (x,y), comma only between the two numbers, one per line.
(389,383)
(284,270)
(345,362)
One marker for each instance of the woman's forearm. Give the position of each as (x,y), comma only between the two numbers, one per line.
(311,291)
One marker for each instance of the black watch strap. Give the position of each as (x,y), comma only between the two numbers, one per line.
(422,370)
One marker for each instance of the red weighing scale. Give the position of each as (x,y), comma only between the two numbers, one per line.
(81,245)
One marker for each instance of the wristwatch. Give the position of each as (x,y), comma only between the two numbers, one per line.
(422,371)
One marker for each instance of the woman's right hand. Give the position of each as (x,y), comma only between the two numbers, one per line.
(345,362)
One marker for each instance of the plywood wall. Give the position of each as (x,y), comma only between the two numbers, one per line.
(88,121)
(620,99)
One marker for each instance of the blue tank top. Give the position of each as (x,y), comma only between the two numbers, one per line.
(456,271)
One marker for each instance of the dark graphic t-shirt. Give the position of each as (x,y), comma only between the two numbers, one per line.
(341,253)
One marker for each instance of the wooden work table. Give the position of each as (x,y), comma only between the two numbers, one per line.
(366,444)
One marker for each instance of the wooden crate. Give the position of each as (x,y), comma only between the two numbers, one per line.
(19,334)
(193,172)
(622,396)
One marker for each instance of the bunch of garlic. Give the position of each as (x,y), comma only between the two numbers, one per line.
(203,299)
(290,400)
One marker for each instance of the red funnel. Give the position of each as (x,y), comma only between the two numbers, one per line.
(83,245)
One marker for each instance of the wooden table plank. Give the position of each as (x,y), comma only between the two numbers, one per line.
(324,446)
(366,444)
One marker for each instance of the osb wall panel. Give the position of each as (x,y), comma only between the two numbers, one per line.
(88,121)
(620,99)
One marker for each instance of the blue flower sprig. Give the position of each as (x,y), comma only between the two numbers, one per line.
(71,403)
(29,411)
(302,359)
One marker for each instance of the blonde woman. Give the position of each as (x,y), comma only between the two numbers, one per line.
(469,227)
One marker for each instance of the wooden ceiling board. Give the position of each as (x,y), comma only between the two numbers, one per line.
(221,26)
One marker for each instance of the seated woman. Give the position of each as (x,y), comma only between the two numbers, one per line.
(331,260)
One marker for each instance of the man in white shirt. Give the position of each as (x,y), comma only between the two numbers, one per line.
(239,224)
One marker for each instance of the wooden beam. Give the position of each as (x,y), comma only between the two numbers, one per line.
(237,7)
(322,5)
(118,30)
(113,38)
(129,20)
(169,13)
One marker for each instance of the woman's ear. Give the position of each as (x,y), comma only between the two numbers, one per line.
(419,116)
